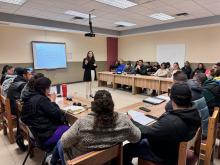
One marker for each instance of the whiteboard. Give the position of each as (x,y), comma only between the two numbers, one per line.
(171,53)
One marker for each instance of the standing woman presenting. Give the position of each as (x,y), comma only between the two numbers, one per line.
(89,66)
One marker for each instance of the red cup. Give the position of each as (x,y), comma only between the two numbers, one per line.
(64,90)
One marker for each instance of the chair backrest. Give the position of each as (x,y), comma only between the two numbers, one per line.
(18,107)
(212,133)
(99,157)
(194,143)
(5,105)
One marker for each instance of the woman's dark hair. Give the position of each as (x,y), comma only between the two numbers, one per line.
(136,64)
(4,69)
(92,59)
(217,72)
(103,106)
(177,64)
(202,65)
(41,84)
(129,63)
(33,79)
(165,65)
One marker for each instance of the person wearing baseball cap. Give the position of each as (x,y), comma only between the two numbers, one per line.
(160,140)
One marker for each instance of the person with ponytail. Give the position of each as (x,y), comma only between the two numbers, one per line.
(100,129)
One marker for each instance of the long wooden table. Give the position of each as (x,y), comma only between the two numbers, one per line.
(156,110)
(135,81)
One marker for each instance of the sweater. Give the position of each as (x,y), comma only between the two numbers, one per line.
(161,73)
(82,138)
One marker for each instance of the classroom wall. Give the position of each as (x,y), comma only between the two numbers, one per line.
(15,49)
(202,44)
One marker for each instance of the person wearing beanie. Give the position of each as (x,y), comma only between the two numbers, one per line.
(160,140)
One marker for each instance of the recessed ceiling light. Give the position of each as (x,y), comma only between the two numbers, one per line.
(122,4)
(78,14)
(16,2)
(123,23)
(54,29)
(161,16)
(182,14)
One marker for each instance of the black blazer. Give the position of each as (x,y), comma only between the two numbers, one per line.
(87,70)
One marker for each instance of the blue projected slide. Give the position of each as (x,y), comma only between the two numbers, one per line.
(49,55)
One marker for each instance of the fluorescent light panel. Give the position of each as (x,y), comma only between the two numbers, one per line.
(78,14)
(15,2)
(122,4)
(54,29)
(124,23)
(161,16)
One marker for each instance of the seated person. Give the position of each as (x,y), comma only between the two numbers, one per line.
(210,90)
(216,66)
(120,68)
(162,72)
(7,70)
(199,69)
(174,69)
(29,87)
(168,66)
(136,64)
(141,68)
(149,68)
(113,67)
(156,66)
(160,140)
(197,98)
(14,91)
(4,71)
(187,69)
(129,68)
(42,115)
(217,75)
(100,129)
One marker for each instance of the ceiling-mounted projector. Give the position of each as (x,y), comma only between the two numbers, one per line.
(90,34)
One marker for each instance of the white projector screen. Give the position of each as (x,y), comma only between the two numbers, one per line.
(171,53)
(49,55)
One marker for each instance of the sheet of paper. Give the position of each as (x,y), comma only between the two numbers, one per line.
(163,97)
(140,117)
(73,108)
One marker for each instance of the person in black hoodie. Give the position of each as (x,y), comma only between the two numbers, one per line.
(197,98)
(160,141)
(42,114)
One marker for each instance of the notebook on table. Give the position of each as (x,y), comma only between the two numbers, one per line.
(140,117)
(153,100)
